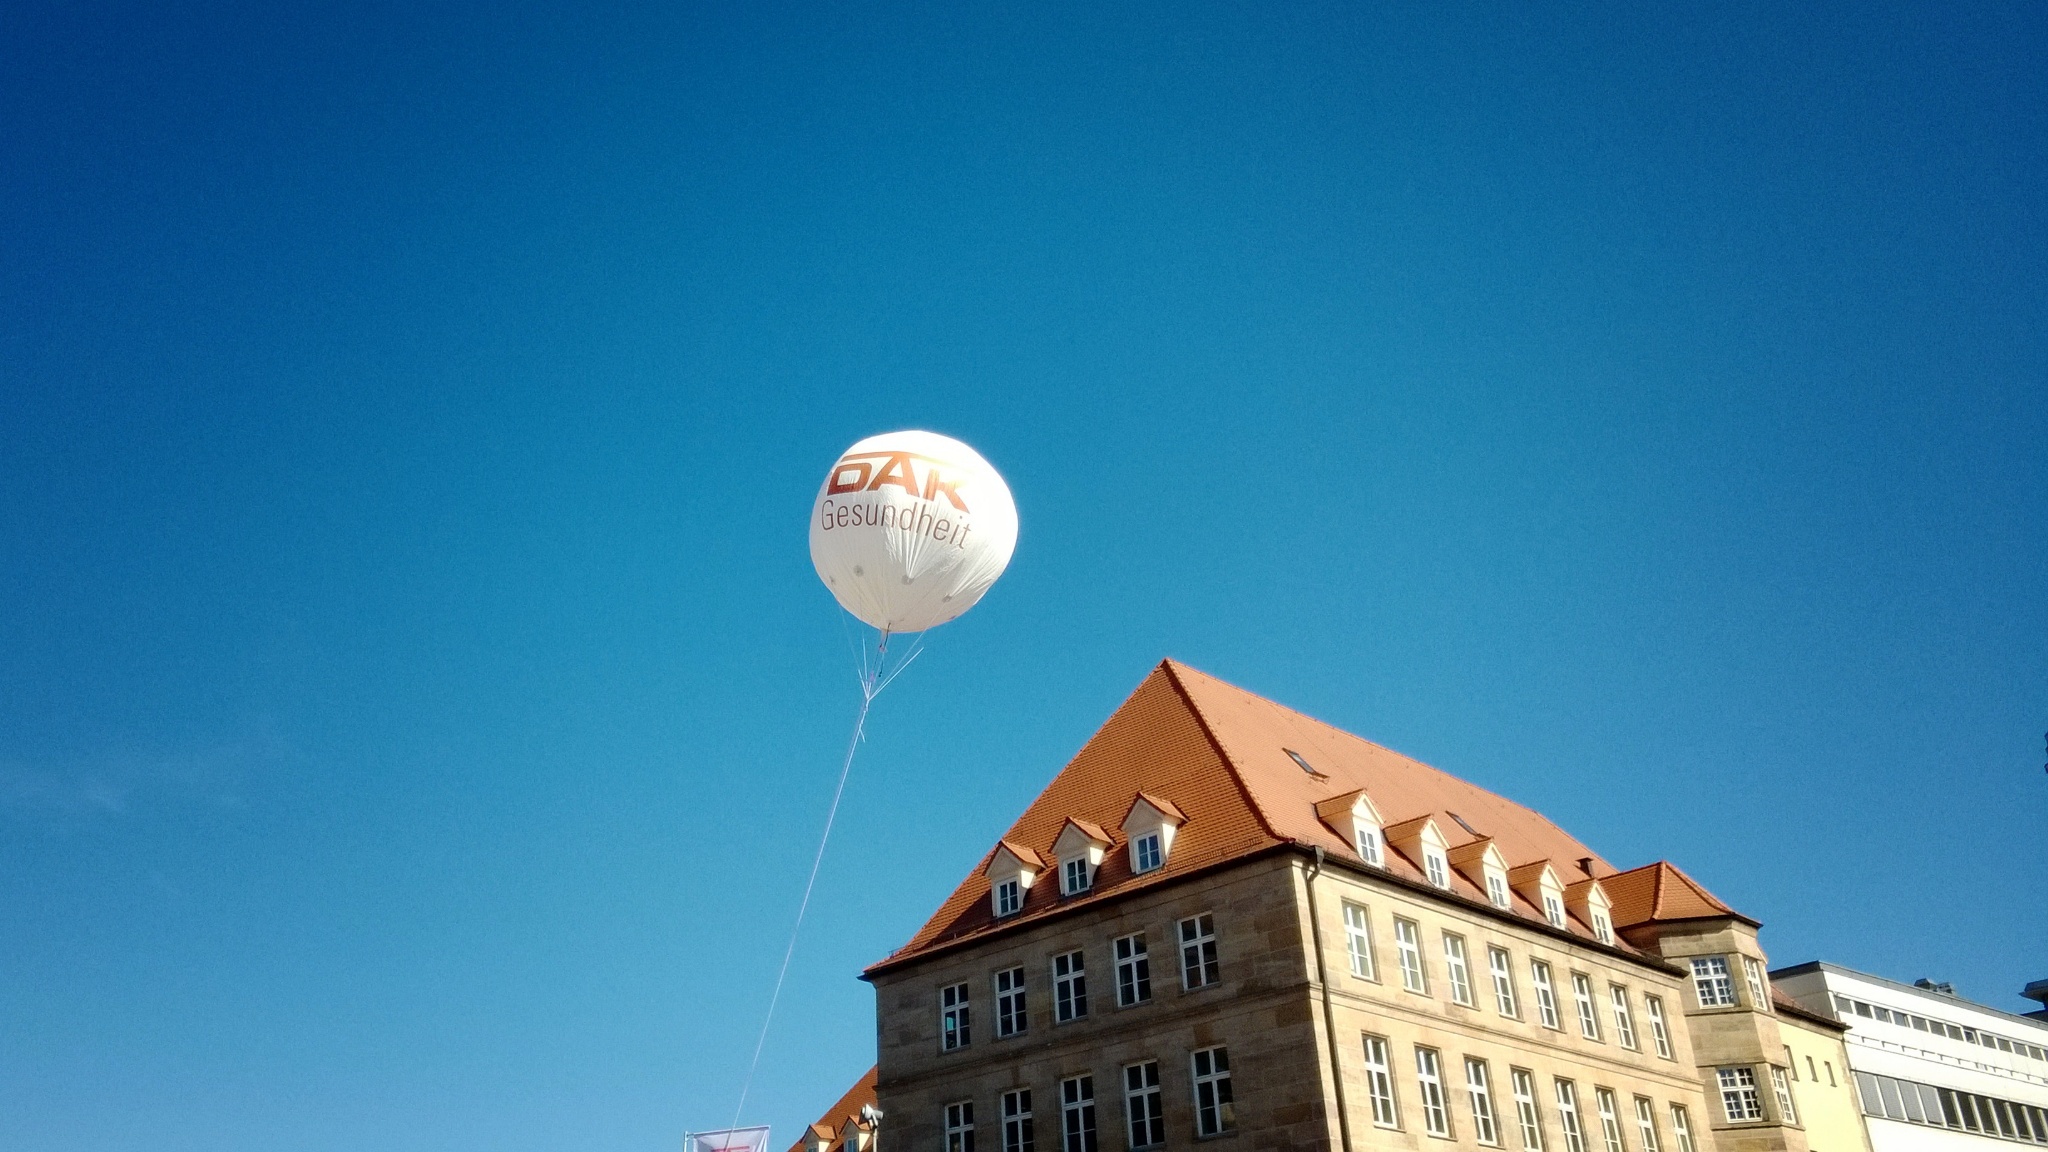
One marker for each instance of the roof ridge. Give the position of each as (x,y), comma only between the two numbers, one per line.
(1172,668)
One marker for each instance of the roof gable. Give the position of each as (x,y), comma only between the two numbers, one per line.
(1661,891)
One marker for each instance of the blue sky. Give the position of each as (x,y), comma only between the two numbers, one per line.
(416,706)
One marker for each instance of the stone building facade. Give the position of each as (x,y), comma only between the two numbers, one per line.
(1226,923)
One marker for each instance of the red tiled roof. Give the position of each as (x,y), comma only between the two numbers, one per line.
(1220,754)
(1660,891)
(848,1108)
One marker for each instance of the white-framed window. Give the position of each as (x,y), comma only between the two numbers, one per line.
(1017,1133)
(1478,1086)
(1436,1117)
(1681,1128)
(960,1127)
(1526,1115)
(1009,897)
(1653,1006)
(1582,995)
(1603,928)
(1568,1117)
(1786,1111)
(1646,1125)
(1214,1114)
(1011,1019)
(1710,981)
(1146,854)
(1198,966)
(1497,889)
(1436,867)
(1408,946)
(1546,994)
(953,1022)
(1739,1099)
(1077,1114)
(1553,909)
(1610,1118)
(1069,987)
(1759,991)
(1358,940)
(1143,1112)
(1624,1020)
(1369,845)
(1455,971)
(1076,876)
(1503,972)
(1379,1082)
(1133,970)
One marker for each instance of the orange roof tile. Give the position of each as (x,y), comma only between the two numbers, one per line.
(848,1108)
(1660,891)
(1220,754)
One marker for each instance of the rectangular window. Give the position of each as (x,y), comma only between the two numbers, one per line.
(1017,1134)
(1646,1124)
(1553,910)
(1077,1114)
(1358,938)
(1074,876)
(1497,889)
(1145,853)
(1485,1127)
(1624,1021)
(1739,1099)
(1526,1115)
(1546,997)
(1133,970)
(953,1022)
(1783,1091)
(1455,971)
(1759,991)
(1659,1034)
(1610,1119)
(1009,898)
(1010,1017)
(1681,1128)
(960,1127)
(1142,1108)
(1198,967)
(1498,964)
(1582,995)
(1069,988)
(1369,844)
(1379,1083)
(1436,1117)
(1213,1112)
(1437,868)
(1568,1117)
(1408,945)
(1710,981)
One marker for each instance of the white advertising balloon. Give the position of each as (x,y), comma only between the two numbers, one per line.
(910,528)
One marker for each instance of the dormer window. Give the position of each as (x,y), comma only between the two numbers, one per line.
(1079,850)
(1553,909)
(1436,867)
(1145,853)
(1369,845)
(1482,863)
(1497,889)
(1603,928)
(1590,901)
(1538,883)
(1011,869)
(1353,817)
(1075,876)
(1149,827)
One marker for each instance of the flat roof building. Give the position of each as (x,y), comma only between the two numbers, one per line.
(1934,1072)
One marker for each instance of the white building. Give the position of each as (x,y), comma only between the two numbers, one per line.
(1935,1072)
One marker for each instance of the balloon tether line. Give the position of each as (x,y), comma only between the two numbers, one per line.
(872,681)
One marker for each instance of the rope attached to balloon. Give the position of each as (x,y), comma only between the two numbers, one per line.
(874,675)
